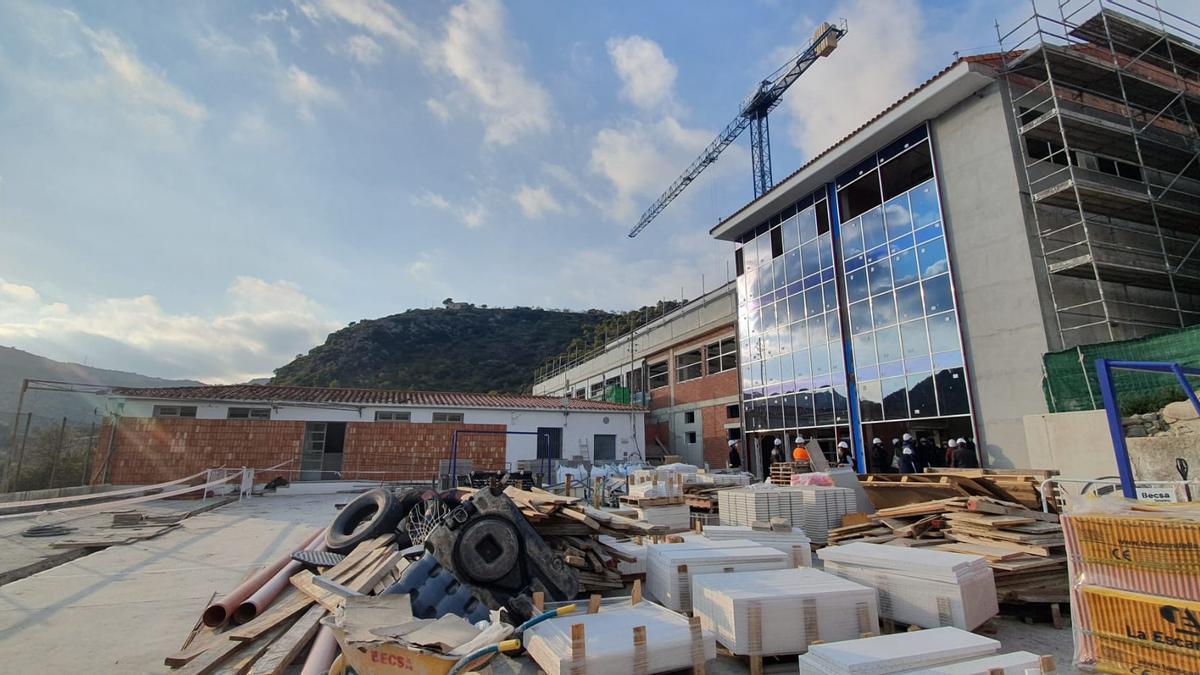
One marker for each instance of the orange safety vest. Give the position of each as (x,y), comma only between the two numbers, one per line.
(799,455)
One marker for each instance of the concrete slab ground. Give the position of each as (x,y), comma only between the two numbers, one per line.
(123,609)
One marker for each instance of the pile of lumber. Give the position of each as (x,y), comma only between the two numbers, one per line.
(1023,547)
(1021,488)
(270,642)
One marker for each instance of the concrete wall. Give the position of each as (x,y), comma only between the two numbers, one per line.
(1001,319)
(1077,444)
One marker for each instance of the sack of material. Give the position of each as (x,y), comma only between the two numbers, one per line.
(670,568)
(782,611)
(919,586)
(609,642)
(896,653)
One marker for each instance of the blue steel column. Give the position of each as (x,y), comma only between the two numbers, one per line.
(835,230)
(1115,430)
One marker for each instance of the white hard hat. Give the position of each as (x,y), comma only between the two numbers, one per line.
(732,443)
(907,437)
(778,442)
(962,440)
(952,443)
(799,440)
(876,440)
(842,444)
(895,440)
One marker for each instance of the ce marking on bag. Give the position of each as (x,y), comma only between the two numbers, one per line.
(1122,554)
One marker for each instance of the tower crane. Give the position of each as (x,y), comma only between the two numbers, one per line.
(753,114)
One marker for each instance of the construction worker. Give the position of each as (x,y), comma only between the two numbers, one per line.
(950,446)
(777,451)
(896,448)
(844,456)
(800,453)
(735,458)
(908,455)
(964,456)
(880,460)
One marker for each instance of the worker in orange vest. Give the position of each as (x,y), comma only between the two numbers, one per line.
(800,453)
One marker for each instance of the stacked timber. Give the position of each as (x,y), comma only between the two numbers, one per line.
(670,568)
(917,586)
(638,638)
(790,540)
(898,652)
(1023,547)
(1022,488)
(782,611)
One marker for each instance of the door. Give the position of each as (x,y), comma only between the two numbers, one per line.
(321,457)
(604,448)
(549,443)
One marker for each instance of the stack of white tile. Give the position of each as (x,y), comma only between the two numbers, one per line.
(789,609)
(629,548)
(919,586)
(899,652)
(724,479)
(670,568)
(792,541)
(818,509)
(1013,663)
(674,517)
(608,641)
(744,506)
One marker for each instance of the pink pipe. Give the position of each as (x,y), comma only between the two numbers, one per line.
(322,653)
(218,613)
(266,594)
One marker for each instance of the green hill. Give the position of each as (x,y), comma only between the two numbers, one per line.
(465,348)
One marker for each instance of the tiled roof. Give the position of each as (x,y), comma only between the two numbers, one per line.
(990,59)
(266,393)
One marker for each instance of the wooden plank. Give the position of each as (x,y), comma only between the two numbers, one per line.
(1027,548)
(283,651)
(223,650)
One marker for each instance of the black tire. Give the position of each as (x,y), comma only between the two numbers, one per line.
(371,514)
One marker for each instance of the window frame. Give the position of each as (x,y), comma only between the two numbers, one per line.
(250,413)
(683,372)
(448,417)
(401,416)
(725,347)
(689,437)
(180,410)
(652,371)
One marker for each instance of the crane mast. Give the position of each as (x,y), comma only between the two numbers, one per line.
(752,113)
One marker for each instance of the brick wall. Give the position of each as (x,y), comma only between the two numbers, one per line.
(412,451)
(155,450)
(716,440)
(707,387)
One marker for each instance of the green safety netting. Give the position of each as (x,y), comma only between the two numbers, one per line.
(616,394)
(1069,377)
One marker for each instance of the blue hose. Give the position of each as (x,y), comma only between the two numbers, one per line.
(511,644)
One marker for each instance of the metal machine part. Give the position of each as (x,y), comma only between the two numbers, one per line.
(489,546)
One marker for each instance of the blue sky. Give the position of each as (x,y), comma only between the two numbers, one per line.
(204,190)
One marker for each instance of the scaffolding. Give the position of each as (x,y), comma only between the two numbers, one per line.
(1105,99)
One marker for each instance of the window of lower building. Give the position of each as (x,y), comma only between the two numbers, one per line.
(733,411)
(691,437)
(580,393)
(734,433)
(174,411)
(689,417)
(248,414)
(393,416)
(448,417)
(604,447)
(687,366)
(721,356)
(597,390)
(660,374)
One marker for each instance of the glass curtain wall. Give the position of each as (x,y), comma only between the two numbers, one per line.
(900,313)
(908,357)
(793,371)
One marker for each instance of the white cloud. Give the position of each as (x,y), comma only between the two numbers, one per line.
(438,109)
(536,202)
(138,83)
(264,324)
(472,215)
(255,129)
(647,75)
(879,61)
(479,53)
(377,17)
(363,49)
(278,15)
(641,159)
(306,91)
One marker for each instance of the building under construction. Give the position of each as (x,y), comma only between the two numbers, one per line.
(910,277)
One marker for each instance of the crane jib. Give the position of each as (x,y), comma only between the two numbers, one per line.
(754,109)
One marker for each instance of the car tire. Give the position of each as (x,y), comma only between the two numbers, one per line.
(372,514)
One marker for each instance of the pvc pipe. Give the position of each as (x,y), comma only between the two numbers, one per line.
(322,653)
(218,613)
(266,594)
